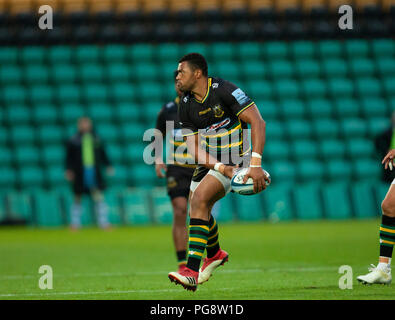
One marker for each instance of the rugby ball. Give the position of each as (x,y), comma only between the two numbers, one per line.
(247,188)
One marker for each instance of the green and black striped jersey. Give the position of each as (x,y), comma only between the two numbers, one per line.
(216,119)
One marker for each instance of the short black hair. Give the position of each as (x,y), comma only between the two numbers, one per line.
(175,74)
(197,61)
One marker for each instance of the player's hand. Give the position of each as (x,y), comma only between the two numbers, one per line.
(389,158)
(259,177)
(69,175)
(229,171)
(158,169)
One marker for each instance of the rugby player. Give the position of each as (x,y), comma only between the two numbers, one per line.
(213,113)
(178,175)
(382,273)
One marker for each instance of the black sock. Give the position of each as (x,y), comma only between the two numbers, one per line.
(198,234)
(212,243)
(387,236)
(181,257)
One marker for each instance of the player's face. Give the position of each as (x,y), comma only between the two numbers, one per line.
(186,77)
(85,125)
(177,88)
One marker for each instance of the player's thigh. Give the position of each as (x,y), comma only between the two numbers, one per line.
(209,190)
(388,204)
(180,205)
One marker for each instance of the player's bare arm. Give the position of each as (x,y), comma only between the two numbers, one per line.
(258,136)
(388,159)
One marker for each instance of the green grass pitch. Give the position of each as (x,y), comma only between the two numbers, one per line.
(297,260)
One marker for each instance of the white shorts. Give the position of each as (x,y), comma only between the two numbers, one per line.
(393,181)
(220,177)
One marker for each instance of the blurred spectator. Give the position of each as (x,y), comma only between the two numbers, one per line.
(385,142)
(85,157)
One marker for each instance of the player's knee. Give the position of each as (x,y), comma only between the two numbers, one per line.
(199,202)
(388,208)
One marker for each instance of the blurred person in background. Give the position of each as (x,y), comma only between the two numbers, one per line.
(85,158)
(385,142)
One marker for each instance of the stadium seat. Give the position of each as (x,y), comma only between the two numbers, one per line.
(87,53)
(383,47)
(53,154)
(277,203)
(19,205)
(268,109)
(276,149)
(367,86)
(136,206)
(314,88)
(340,87)
(332,149)
(302,49)
(54,175)
(23,134)
(286,88)
(283,171)
(47,208)
(303,149)
(18,114)
(356,48)
(118,72)
(278,69)
(114,53)
(95,93)
(227,70)
(44,114)
(30,176)
(367,169)
(10,74)
(140,172)
(358,149)
(249,208)
(353,127)
(108,132)
(275,50)
(363,200)
(68,93)
(163,211)
(374,107)
(59,54)
(132,133)
(307,68)
(64,73)
(334,67)
(298,129)
(275,130)
(14,94)
(362,67)
(329,48)
(377,126)
(100,112)
(341,208)
(8,55)
(50,134)
(250,51)
(115,211)
(386,66)
(140,53)
(310,170)
(346,108)
(7,178)
(325,129)
(308,201)
(291,108)
(259,89)
(318,108)
(5,156)
(339,170)
(226,208)
(91,72)
(70,112)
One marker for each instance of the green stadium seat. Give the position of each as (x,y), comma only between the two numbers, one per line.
(386,66)
(251,51)
(118,72)
(286,88)
(26,155)
(325,128)
(87,53)
(358,148)
(3,135)
(112,197)
(68,93)
(123,92)
(47,208)
(283,171)
(120,177)
(353,127)
(115,151)
(302,49)
(141,53)
(307,68)
(168,52)
(20,205)
(279,69)
(330,48)
(22,135)
(253,70)
(18,114)
(383,48)
(298,129)
(334,67)
(360,67)
(225,208)
(308,204)
(356,47)
(132,133)
(88,214)
(36,73)
(59,54)
(332,149)
(341,208)
(346,108)
(227,70)
(259,89)
(114,53)
(303,149)
(275,130)
(277,203)
(363,200)
(91,72)
(64,73)
(374,107)
(53,154)
(32,54)
(313,88)
(10,74)
(7,178)
(166,73)
(249,208)
(389,86)
(8,55)
(276,149)
(54,175)
(43,114)
(48,134)
(380,190)
(310,170)
(378,125)
(145,72)
(292,108)
(136,206)
(163,211)
(100,112)
(41,94)
(201,48)
(142,172)
(150,91)
(340,87)
(367,169)
(319,108)
(391,102)
(222,51)
(108,132)
(268,109)
(275,50)
(367,86)
(5,156)
(95,93)
(14,94)
(30,176)
(70,112)
(338,170)
(126,111)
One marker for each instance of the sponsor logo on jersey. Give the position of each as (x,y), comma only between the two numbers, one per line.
(185,99)
(240,96)
(218,125)
(215,85)
(204,111)
(218,112)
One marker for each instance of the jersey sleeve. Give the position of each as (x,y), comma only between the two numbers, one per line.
(234,98)
(187,127)
(161,121)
